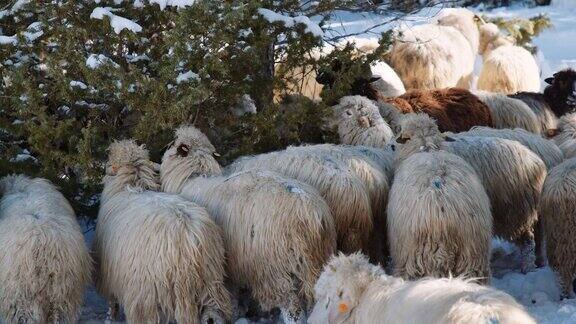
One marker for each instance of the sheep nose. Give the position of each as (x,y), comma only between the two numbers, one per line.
(364,122)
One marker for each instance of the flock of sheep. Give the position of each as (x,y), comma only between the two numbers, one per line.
(421,182)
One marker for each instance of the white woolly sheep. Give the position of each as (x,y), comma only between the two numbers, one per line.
(549,152)
(436,56)
(44,263)
(509,112)
(157,254)
(359,122)
(512,176)
(558,213)
(506,68)
(565,135)
(374,170)
(344,192)
(537,102)
(278,231)
(351,290)
(439,221)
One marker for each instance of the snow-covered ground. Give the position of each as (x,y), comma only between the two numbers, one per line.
(537,290)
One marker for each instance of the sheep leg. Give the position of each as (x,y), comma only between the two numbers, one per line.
(527,247)
(293,312)
(113,310)
(539,244)
(565,281)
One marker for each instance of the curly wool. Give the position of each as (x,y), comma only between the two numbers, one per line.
(44,263)
(159,255)
(557,209)
(350,290)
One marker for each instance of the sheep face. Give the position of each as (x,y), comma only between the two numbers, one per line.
(419,133)
(191,138)
(125,154)
(561,91)
(340,287)
(356,111)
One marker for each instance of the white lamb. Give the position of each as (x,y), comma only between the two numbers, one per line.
(44,263)
(436,56)
(507,68)
(278,231)
(439,220)
(159,255)
(351,290)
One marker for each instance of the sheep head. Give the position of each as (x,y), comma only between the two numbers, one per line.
(189,138)
(561,92)
(356,111)
(128,165)
(489,33)
(418,133)
(341,285)
(125,154)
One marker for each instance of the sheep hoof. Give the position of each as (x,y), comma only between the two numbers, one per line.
(289,318)
(113,312)
(212,317)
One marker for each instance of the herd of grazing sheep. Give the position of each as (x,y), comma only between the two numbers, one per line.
(393,225)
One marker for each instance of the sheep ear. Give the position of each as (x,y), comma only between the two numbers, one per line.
(183,150)
(449,139)
(549,80)
(216,154)
(552,132)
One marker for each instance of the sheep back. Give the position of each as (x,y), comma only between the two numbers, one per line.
(512,176)
(557,211)
(540,107)
(344,192)
(439,221)
(509,112)
(160,256)
(44,263)
(509,69)
(455,110)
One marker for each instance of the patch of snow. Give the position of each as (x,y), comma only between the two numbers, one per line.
(15,8)
(78,84)
(187,76)
(94,61)
(23,157)
(118,23)
(8,40)
(272,17)
(173,3)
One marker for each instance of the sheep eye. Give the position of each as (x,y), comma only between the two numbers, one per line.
(348,112)
(340,294)
(402,140)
